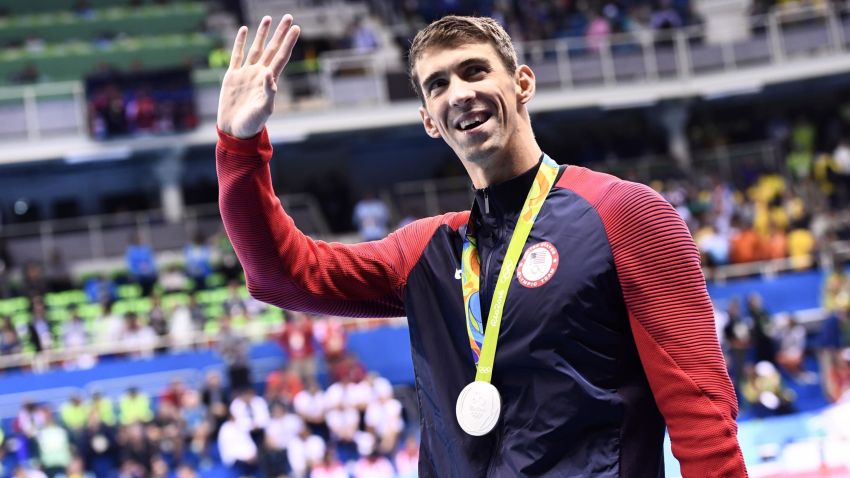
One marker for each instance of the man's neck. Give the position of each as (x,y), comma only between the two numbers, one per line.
(498,170)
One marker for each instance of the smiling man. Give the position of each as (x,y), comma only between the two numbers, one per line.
(579,325)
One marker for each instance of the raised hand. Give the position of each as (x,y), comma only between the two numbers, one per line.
(247,91)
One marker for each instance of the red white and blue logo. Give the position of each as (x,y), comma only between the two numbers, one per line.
(538,265)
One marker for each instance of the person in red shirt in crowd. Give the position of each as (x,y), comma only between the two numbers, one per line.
(173,393)
(297,341)
(330,333)
(282,385)
(348,369)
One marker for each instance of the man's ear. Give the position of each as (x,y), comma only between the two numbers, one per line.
(428,123)
(526,84)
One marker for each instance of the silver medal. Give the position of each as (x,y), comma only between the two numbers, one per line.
(478,408)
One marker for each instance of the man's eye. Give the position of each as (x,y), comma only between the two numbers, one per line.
(435,85)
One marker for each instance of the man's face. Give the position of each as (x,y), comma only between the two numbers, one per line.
(471,100)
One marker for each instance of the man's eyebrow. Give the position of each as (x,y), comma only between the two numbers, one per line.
(459,66)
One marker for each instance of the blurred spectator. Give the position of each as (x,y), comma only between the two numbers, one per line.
(343,421)
(235,305)
(103,408)
(745,245)
(110,326)
(383,415)
(34,283)
(137,451)
(54,446)
(57,273)
(364,39)
(99,447)
(158,321)
(28,421)
(329,467)
(777,243)
(834,336)
(598,31)
(282,385)
(10,342)
(373,465)
(792,347)
(371,216)
(310,405)
(173,393)
(236,448)
(251,412)
(138,340)
(736,334)
(762,328)
(184,326)
(141,264)
(233,349)
(134,407)
(198,261)
(407,459)
(76,469)
(764,391)
(282,428)
(100,289)
(801,248)
(304,452)
(173,279)
(75,414)
(39,334)
(215,397)
(297,341)
(228,263)
(330,333)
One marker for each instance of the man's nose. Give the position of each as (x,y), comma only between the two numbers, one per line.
(461,94)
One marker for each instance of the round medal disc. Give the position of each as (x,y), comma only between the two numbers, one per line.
(478,408)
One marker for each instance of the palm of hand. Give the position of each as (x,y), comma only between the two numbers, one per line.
(248,91)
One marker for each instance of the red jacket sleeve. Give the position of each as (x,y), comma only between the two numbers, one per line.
(672,321)
(288,269)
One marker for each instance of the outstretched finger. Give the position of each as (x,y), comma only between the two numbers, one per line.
(259,40)
(238,48)
(282,55)
(277,39)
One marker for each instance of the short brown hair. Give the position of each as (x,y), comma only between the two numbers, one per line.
(452,31)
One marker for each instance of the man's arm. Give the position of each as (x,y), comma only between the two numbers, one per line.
(672,321)
(283,266)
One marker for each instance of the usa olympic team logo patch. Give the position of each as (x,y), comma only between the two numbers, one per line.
(538,265)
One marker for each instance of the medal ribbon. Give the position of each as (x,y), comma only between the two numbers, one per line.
(484,344)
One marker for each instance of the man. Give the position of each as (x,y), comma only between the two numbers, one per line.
(607,320)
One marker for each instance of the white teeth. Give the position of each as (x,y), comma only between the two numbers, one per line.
(472,120)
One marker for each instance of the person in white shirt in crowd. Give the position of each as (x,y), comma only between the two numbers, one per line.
(75,340)
(251,413)
(236,304)
(310,405)
(139,340)
(109,326)
(383,415)
(371,464)
(344,422)
(407,459)
(236,447)
(282,428)
(330,467)
(792,347)
(54,446)
(305,452)
(183,329)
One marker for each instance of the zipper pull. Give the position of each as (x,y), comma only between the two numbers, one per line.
(486,203)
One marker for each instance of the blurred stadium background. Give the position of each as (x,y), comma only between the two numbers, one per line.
(122,304)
